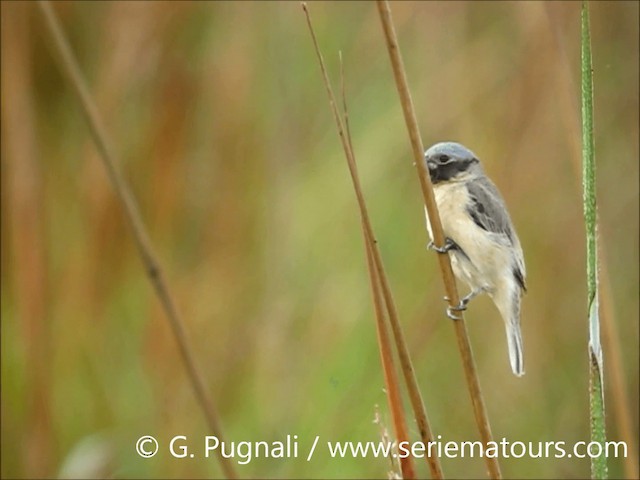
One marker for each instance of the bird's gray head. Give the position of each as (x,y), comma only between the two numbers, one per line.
(450,161)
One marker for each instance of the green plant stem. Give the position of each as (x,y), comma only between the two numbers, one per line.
(596,393)
(614,368)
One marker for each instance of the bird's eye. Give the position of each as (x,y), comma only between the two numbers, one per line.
(444,158)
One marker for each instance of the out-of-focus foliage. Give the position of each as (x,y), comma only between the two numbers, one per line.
(222,125)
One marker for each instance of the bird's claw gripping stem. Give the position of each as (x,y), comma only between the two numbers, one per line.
(448,245)
(461,307)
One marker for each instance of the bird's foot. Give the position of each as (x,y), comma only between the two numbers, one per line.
(452,310)
(462,306)
(448,245)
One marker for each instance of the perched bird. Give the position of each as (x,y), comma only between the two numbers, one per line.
(479,237)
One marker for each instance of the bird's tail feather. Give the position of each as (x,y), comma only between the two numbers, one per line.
(514,340)
(509,306)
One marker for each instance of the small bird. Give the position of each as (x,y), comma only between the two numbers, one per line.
(479,237)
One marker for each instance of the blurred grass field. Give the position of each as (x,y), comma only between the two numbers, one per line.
(224,132)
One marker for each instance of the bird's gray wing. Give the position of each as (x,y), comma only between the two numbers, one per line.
(488,210)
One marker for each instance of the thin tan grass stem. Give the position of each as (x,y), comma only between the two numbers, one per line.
(392,386)
(464,345)
(403,352)
(152,267)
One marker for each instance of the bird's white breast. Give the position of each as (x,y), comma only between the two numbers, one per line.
(488,260)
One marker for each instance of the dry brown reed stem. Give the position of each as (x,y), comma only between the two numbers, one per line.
(464,346)
(614,365)
(403,352)
(152,267)
(392,387)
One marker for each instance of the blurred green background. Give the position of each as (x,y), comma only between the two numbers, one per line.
(224,132)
